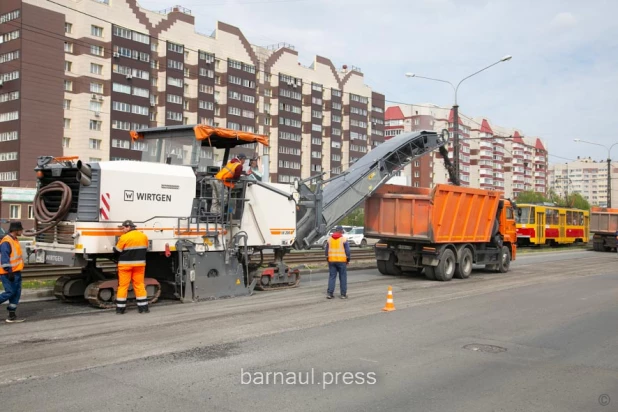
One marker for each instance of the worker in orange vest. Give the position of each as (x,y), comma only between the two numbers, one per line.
(232,170)
(338,255)
(133,247)
(12,263)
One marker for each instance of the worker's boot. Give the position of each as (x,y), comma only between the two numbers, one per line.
(13,317)
(120,311)
(143,309)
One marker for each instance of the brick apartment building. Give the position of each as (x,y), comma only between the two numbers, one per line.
(75,77)
(490,156)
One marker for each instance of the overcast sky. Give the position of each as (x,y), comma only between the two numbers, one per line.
(561,84)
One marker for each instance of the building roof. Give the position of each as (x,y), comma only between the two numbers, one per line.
(517,138)
(485,127)
(393,113)
(451,117)
(539,145)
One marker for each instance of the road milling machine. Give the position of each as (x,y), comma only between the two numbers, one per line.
(206,241)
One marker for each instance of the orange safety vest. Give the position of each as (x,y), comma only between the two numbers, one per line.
(133,247)
(227,173)
(17,262)
(336,250)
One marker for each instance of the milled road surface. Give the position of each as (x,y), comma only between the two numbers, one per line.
(543,337)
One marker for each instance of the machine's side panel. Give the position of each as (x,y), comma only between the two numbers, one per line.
(143,191)
(269,217)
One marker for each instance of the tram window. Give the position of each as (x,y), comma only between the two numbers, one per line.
(526,215)
(569,218)
(551,217)
(580,216)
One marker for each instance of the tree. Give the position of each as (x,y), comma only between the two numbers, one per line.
(530,196)
(577,201)
(356,218)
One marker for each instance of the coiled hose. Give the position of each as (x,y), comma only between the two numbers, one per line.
(42,215)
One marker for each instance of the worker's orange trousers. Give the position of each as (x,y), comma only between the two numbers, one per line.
(126,274)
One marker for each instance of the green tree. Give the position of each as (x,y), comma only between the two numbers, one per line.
(356,218)
(577,201)
(530,196)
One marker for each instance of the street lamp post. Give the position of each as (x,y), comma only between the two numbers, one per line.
(609,168)
(456,109)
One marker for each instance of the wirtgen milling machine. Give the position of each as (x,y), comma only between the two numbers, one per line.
(206,240)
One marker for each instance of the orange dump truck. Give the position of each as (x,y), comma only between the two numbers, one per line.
(604,227)
(444,230)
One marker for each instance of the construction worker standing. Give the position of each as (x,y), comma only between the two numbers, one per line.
(133,247)
(338,255)
(12,264)
(232,170)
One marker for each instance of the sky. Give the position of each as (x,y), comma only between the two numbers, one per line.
(561,83)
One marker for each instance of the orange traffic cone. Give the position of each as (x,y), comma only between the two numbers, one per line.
(390,305)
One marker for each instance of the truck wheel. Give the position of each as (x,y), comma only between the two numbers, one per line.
(430,273)
(382,267)
(446,268)
(464,265)
(505,260)
(391,268)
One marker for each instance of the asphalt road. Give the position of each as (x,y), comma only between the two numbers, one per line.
(541,338)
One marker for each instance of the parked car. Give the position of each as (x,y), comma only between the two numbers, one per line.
(321,242)
(356,237)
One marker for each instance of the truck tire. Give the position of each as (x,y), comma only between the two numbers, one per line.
(446,268)
(430,273)
(391,268)
(464,264)
(382,267)
(505,260)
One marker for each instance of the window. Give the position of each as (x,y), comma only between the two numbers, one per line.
(94,144)
(173,64)
(10,56)
(7,157)
(68,27)
(8,136)
(175,47)
(66,142)
(206,105)
(96,68)
(68,47)
(7,117)
(234,110)
(68,85)
(174,116)
(8,176)
(96,31)
(95,125)
(141,92)
(206,89)
(121,107)
(121,88)
(9,16)
(10,96)
(68,66)
(7,77)
(30,212)
(15,212)
(9,36)
(172,98)
(95,106)
(96,88)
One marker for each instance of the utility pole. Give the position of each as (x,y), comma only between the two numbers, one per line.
(609,168)
(609,181)
(456,111)
(456,139)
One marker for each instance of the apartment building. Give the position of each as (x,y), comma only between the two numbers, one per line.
(76,77)
(490,157)
(587,177)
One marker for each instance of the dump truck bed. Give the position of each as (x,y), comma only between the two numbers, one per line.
(603,220)
(446,214)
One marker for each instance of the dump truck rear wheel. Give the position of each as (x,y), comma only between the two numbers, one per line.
(464,264)
(446,268)
(505,260)
(391,268)
(382,267)
(430,272)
